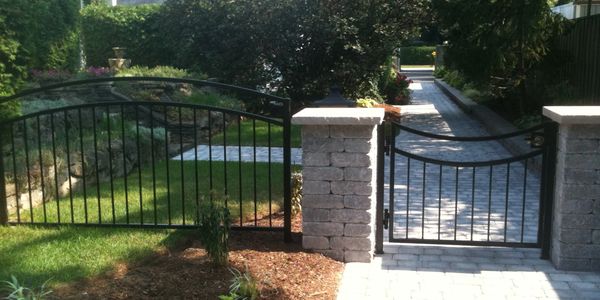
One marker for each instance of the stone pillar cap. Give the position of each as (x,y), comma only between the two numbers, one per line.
(573,114)
(339,116)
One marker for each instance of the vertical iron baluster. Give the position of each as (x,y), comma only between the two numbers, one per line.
(225,160)
(239,132)
(210,163)
(254,151)
(197,191)
(490,203)
(85,206)
(110,167)
(423,204)
(152,162)
(269,174)
(16,177)
(123,139)
(181,165)
(96,163)
(67,142)
(440,204)
(524,197)
(42,185)
(26,144)
(56,198)
(391,204)
(455,202)
(472,202)
(166,119)
(139,157)
(407,193)
(506,200)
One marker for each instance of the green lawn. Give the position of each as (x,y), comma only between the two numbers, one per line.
(35,254)
(262,134)
(174,197)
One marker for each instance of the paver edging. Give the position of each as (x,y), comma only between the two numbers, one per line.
(491,121)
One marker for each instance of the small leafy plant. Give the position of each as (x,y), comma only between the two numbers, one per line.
(19,292)
(243,286)
(214,224)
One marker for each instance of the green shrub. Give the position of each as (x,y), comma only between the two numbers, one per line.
(46,30)
(158,71)
(417,55)
(440,72)
(213,99)
(296,193)
(134,27)
(16,291)
(455,79)
(214,232)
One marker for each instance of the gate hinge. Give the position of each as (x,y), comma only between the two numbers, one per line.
(386,218)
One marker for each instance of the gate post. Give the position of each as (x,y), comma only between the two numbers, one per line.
(575,238)
(339,170)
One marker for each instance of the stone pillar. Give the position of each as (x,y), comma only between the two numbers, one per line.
(339,168)
(575,243)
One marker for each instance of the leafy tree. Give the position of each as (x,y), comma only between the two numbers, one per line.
(299,48)
(499,42)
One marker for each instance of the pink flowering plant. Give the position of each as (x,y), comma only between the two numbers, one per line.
(97,72)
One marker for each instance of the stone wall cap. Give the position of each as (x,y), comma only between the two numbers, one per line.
(573,114)
(339,116)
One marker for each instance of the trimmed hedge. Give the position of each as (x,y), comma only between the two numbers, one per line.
(418,55)
(133,27)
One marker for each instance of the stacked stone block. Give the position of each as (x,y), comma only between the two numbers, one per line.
(339,183)
(338,192)
(576,224)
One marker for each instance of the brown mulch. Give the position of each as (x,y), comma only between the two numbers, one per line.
(282,270)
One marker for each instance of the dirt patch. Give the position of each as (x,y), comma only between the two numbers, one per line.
(283,271)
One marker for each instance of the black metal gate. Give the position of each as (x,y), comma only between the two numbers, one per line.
(146,152)
(477,200)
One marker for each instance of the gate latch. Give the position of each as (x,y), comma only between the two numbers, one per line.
(386,218)
(536,140)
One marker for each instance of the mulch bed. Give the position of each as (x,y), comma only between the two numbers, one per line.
(283,271)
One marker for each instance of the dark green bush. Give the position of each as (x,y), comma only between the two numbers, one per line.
(214,221)
(134,27)
(417,55)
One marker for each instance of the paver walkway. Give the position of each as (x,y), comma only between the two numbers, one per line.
(408,271)
(232,153)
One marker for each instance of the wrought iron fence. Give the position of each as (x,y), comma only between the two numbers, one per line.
(582,44)
(146,152)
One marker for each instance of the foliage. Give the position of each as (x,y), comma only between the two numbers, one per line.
(455,79)
(297,48)
(366,102)
(296,193)
(417,55)
(158,71)
(50,76)
(395,88)
(46,31)
(214,232)
(501,43)
(19,292)
(243,286)
(440,72)
(134,27)
(214,99)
